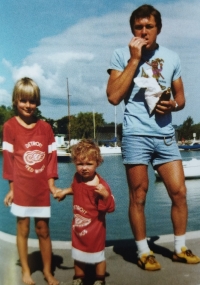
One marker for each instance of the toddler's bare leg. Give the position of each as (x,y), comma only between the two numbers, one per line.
(101,271)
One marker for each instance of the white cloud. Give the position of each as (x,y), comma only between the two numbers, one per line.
(82,53)
(6,98)
(2,79)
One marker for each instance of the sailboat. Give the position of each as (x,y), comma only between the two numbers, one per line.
(191,169)
(112,150)
(195,145)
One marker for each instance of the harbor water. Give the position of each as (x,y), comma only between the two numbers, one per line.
(157,210)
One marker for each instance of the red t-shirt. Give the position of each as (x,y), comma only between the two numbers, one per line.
(89,226)
(30,159)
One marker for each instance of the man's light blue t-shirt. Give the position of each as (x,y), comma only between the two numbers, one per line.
(163,65)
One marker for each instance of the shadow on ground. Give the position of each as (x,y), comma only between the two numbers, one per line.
(128,250)
(35,262)
(125,248)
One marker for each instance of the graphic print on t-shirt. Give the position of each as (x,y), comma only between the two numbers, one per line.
(80,222)
(155,70)
(32,157)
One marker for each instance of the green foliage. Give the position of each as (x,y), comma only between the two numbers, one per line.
(81,126)
(196,129)
(62,125)
(38,114)
(53,125)
(5,114)
(85,123)
(187,129)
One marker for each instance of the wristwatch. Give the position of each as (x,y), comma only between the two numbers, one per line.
(176,106)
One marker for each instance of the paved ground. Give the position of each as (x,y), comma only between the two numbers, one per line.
(121,263)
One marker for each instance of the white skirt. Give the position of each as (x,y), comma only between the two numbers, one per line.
(88,257)
(36,212)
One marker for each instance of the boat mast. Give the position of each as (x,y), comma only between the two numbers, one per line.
(115,126)
(68,112)
(94,125)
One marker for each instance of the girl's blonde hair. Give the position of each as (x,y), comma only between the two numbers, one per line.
(86,149)
(26,88)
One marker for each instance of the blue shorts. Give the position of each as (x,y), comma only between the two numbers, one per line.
(145,149)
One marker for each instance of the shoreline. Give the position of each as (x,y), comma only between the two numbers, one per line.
(67,244)
(34,242)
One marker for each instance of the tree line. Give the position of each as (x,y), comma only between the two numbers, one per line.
(82,125)
(187,129)
(85,125)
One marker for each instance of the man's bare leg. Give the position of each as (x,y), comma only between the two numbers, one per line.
(137,177)
(138,186)
(174,180)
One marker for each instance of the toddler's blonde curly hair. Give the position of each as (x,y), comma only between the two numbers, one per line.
(86,149)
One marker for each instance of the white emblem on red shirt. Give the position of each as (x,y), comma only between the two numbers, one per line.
(33,157)
(80,221)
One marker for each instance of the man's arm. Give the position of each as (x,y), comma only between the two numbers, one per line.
(178,93)
(120,82)
(165,107)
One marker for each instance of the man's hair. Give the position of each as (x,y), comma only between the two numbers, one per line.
(86,149)
(145,11)
(26,88)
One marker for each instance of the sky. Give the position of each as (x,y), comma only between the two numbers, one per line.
(55,42)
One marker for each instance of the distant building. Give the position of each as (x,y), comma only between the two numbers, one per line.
(106,135)
(62,143)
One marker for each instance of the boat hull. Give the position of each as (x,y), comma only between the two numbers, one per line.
(110,150)
(191,169)
(189,147)
(63,156)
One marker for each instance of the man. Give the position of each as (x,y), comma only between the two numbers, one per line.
(148,135)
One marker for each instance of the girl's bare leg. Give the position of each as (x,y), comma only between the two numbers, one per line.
(42,231)
(22,245)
